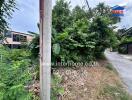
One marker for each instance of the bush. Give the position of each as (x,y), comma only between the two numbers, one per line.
(122,50)
(56,90)
(80,40)
(15,74)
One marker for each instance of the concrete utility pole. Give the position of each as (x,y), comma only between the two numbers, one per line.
(45,48)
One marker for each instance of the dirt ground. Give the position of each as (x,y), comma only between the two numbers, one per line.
(88,83)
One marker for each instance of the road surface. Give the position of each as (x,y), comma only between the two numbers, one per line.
(123,66)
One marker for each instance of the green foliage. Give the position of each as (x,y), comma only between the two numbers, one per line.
(126,39)
(61,15)
(82,39)
(78,13)
(77,40)
(6,9)
(104,34)
(17,92)
(104,10)
(18,54)
(111,68)
(15,67)
(116,93)
(122,49)
(56,90)
(56,49)
(34,47)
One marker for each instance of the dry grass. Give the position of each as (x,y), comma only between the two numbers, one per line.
(91,83)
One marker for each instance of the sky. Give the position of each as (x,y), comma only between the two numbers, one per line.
(27,16)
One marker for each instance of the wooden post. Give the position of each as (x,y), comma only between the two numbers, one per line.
(45,48)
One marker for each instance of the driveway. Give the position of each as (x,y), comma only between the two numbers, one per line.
(123,66)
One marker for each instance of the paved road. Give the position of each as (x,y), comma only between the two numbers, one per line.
(123,66)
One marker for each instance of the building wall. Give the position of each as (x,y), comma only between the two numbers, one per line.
(9,39)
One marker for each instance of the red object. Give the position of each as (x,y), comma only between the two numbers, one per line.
(117,11)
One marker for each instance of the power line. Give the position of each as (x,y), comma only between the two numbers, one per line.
(87,3)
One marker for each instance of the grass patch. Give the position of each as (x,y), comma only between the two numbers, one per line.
(111,68)
(94,83)
(115,93)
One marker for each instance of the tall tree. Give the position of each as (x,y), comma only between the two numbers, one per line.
(104,34)
(61,15)
(6,9)
(105,10)
(78,13)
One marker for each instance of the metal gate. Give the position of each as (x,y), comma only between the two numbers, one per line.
(129,48)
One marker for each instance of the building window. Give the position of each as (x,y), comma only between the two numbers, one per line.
(16,37)
(7,34)
(23,38)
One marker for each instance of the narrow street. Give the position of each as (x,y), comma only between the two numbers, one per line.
(123,67)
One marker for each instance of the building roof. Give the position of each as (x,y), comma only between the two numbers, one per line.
(128,32)
(23,33)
